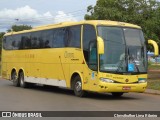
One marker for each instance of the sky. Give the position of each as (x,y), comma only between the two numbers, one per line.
(41,12)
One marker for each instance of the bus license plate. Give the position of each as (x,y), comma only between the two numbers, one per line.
(126,88)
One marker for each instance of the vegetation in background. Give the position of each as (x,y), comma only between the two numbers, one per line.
(153,84)
(154,67)
(17,28)
(153,76)
(145,13)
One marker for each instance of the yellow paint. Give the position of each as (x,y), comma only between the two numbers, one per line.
(156,49)
(100,45)
(62,63)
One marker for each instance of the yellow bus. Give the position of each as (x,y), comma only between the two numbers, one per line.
(97,55)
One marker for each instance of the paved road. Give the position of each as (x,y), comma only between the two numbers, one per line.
(56,99)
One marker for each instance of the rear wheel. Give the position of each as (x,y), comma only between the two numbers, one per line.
(117,94)
(77,87)
(14,78)
(23,84)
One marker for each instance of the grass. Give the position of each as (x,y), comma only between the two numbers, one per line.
(154,76)
(154,67)
(154,84)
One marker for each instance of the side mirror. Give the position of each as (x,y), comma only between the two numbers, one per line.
(156,49)
(100,43)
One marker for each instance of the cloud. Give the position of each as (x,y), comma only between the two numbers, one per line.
(30,16)
(61,17)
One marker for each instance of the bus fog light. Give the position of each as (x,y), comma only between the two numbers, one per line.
(106,80)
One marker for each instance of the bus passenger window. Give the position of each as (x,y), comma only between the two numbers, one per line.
(46,40)
(89,46)
(74,36)
(4,43)
(47,44)
(25,42)
(59,36)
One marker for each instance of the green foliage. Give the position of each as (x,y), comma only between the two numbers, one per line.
(145,13)
(17,28)
(149,63)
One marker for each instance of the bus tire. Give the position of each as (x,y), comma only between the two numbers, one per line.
(15,79)
(77,87)
(23,84)
(117,94)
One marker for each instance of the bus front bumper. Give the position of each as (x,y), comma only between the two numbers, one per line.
(117,87)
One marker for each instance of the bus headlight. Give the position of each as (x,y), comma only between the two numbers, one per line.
(106,80)
(142,80)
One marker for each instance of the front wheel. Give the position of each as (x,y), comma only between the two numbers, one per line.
(117,94)
(77,87)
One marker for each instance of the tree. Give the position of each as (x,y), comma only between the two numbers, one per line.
(17,28)
(145,13)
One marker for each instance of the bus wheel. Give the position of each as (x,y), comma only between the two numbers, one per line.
(15,79)
(23,84)
(117,94)
(77,87)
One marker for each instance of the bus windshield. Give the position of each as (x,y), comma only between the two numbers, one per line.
(125,50)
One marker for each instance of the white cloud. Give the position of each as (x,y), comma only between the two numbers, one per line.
(61,17)
(30,16)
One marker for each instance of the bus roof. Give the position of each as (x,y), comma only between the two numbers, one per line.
(65,24)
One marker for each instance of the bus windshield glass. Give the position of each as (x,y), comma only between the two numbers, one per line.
(124,50)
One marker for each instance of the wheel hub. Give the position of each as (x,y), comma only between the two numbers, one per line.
(78,86)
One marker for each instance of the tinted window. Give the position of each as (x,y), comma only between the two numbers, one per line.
(16,39)
(73,36)
(35,40)
(47,38)
(89,34)
(5,41)
(59,38)
(55,38)
(90,46)
(9,43)
(25,41)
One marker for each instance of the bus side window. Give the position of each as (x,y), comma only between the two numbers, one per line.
(16,39)
(9,42)
(25,42)
(59,38)
(74,36)
(46,40)
(4,43)
(89,46)
(35,40)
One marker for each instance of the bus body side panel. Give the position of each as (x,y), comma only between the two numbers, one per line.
(72,63)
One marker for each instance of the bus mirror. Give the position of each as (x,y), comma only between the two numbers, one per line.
(100,45)
(156,51)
